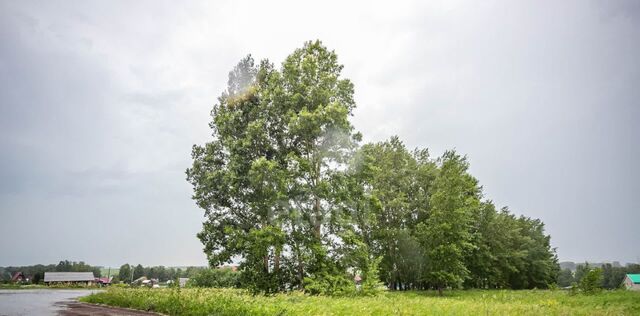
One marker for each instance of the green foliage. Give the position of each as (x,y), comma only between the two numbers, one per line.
(390,199)
(35,273)
(138,272)
(581,271)
(472,302)
(325,283)
(565,278)
(72,266)
(445,234)
(371,284)
(591,282)
(573,290)
(125,273)
(224,277)
(613,276)
(285,188)
(270,180)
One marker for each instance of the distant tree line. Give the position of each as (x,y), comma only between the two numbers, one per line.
(128,272)
(288,191)
(612,274)
(36,272)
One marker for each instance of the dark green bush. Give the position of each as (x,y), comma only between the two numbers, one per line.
(219,278)
(328,284)
(591,282)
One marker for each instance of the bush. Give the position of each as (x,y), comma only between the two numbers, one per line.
(327,284)
(591,282)
(215,278)
(371,284)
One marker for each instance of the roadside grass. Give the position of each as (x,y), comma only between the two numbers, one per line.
(199,301)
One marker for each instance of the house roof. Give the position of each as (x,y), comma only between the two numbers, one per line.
(17,276)
(104,280)
(635,278)
(68,276)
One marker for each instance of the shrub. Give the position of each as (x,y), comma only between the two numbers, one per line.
(215,278)
(327,284)
(591,282)
(371,284)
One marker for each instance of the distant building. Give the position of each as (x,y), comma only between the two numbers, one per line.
(69,277)
(104,281)
(139,280)
(19,277)
(632,282)
(183,281)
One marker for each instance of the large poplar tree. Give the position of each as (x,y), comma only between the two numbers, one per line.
(445,234)
(266,181)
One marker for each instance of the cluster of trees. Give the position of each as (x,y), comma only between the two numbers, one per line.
(220,278)
(288,191)
(36,272)
(612,274)
(128,272)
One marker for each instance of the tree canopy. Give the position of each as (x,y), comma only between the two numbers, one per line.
(289,192)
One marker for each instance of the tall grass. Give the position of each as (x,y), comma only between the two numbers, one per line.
(198,301)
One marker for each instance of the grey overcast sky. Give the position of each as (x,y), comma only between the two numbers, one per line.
(101,101)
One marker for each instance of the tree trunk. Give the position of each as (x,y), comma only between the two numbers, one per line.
(317,225)
(296,250)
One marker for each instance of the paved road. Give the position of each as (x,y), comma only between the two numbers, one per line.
(43,302)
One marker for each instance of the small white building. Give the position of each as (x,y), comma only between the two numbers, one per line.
(632,282)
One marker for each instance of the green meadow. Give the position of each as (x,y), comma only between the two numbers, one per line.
(200,301)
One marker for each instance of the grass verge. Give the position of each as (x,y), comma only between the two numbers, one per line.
(475,302)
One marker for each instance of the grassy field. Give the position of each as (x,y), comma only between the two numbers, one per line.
(476,302)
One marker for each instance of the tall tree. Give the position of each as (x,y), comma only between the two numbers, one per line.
(318,104)
(138,272)
(565,278)
(395,185)
(237,177)
(283,193)
(268,178)
(124,274)
(445,234)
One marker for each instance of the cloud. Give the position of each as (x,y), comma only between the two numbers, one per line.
(101,103)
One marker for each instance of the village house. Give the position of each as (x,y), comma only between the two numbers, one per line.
(19,277)
(104,281)
(69,278)
(632,282)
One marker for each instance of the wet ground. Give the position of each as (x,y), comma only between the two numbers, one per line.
(44,302)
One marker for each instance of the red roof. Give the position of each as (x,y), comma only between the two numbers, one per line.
(18,276)
(103,280)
